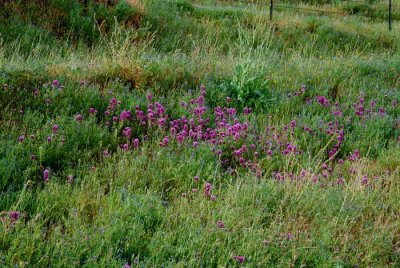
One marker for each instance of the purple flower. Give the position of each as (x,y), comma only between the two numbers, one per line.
(246,110)
(202,90)
(364,180)
(14,215)
(48,139)
(207,188)
(124,115)
(70,178)
(231,111)
(127,265)
(55,84)
(165,141)
(136,143)
(55,129)
(161,122)
(337,113)
(46,175)
(289,236)
(220,224)
(381,111)
(355,155)
(21,138)
(323,101)
(352,170)
(239,259)
(79,118)
(213,198)
(91,110)
(237,153)
(127,132)
(372,103)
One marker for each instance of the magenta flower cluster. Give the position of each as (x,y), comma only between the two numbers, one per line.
(232,137)
(232,140)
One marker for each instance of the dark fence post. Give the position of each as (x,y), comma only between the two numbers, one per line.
(271,8)
(390,15)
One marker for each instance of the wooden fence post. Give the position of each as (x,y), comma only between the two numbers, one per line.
(271,8)
(390,15)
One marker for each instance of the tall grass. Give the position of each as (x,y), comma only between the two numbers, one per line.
(289,156)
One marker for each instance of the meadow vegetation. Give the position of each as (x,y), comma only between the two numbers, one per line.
(199,134)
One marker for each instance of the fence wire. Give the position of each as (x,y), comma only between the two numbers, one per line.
(277,4)
(312,10)
(371,4)
(334,4)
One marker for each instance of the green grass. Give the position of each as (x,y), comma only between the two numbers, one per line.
(142,206)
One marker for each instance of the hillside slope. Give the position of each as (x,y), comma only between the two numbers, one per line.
(198,134)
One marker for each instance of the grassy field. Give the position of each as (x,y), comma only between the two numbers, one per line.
(170,133)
